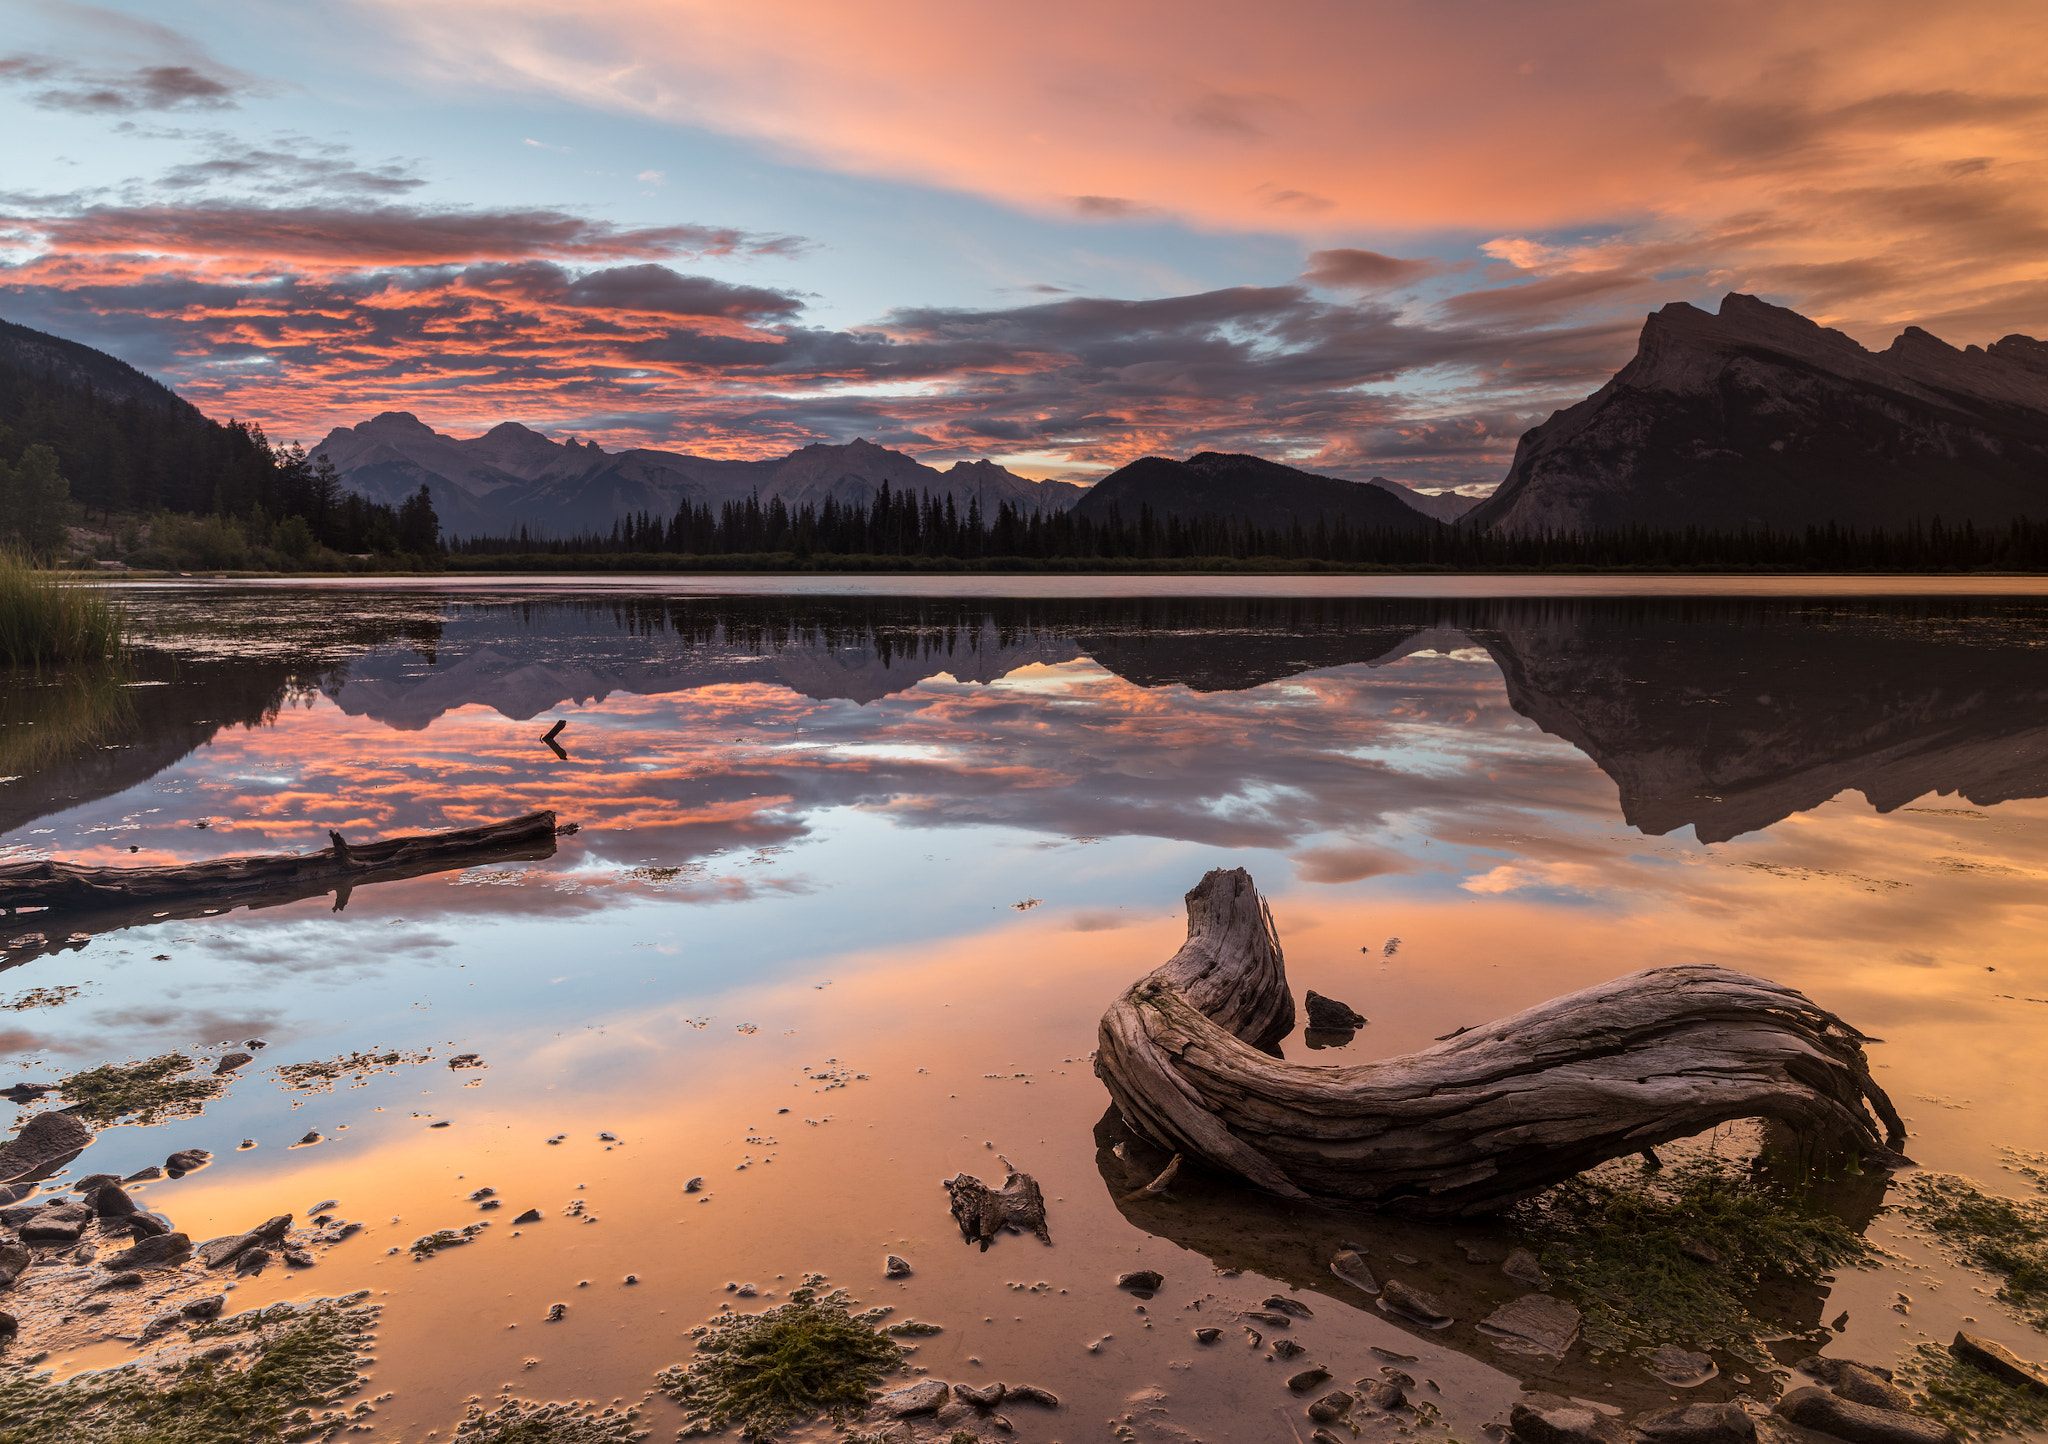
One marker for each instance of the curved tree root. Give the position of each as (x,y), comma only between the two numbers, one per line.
(1492,1115)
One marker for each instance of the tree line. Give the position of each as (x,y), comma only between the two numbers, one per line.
(906,524)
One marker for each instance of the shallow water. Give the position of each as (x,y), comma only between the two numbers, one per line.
(881,861)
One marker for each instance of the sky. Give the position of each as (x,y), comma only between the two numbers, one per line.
(1368,237)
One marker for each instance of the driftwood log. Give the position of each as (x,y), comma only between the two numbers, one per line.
(125,896)
(1492,1115)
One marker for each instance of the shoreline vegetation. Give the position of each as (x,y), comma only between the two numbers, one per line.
(49,618)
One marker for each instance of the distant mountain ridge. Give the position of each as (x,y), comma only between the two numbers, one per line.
(513,476)
(1758,416)
(1250,489)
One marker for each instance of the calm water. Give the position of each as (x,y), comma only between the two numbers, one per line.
(857,874)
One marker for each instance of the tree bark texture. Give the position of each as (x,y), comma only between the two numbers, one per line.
(1492,1115)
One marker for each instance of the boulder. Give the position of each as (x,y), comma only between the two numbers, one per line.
(1331,1407)
(920,1398)
(986,1397)
(206,1308)
(45,1143)
(1413,1303)
(1681,1368)
(14,1257)
(1696,1424)
(62,1223)
(1350,1266)
(1829,1371)
(1143,1280)
(1327,1015)
(185,1160)
(110,1200)
(156,1252)
(217,1251)
(1551,1419)
(1533,1324)
(1861,1386)
(1999,1362)
(1521,1266)
(1817,1409)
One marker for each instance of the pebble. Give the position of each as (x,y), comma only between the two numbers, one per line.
(895,1267)
(1413,1303)
(1308,1378)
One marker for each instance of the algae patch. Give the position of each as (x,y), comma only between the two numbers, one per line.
(2005,1237)
(293,1360)
(321,1075)
(152,1091)
(1681,1253)
(766,1372)
(1968,1400)
(515,1422)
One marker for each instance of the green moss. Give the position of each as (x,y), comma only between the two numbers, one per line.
(1620,1240)
(1968,1400)
(514,1422)
(784,1366)
(300,1359)
(434,1242)
(147,1092)
(2005,1237)
(321,1076)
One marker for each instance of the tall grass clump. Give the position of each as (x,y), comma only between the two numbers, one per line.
(44,620)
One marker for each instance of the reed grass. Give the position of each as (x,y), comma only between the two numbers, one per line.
(44,620)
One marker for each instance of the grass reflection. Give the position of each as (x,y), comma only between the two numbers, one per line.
(50,717)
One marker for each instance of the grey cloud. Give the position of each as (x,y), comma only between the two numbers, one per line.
(1365,270)
(121,92)
(289,165)
(1109,207)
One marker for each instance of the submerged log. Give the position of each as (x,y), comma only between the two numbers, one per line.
(125,896)
(1494,1114)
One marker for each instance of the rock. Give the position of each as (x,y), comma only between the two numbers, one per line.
(1032,1394)
(144,1225)
(215,1252)
(1350,1266)
(231,1062)
(110,1200)
(1700,1251)
(1207,1336)
(1331,1407)
(1696,1424)
(1999,1362)
(1812,1408)
(185,1160)
(1327,1015)
(1324,1436)
(1829,1371)
(46,1142)
(8,1323)
(14,1257)
(1533,1324)
(1144,1280)
(1287,1348)
(986,1397)
(695,1185)
(1267,1317)
(1521,1266)
(1681,1368)
(920,1398)
(299,1258)
(149,1253)
(62,1223)
(1308,1378)
(86,1185)
(896,1267)
(127,1280)
(252,1260)
(1549,1419)
(206,1308)
(145,1175)
(532,1215)
(1287,1306)
(1475,1253)
(1861,1386)
(1382,1393)
(1413,1303)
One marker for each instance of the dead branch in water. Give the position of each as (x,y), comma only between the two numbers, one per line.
(1494,1114)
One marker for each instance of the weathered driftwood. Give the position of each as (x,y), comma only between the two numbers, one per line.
(1496,1113)
(131,895)
(983,1212)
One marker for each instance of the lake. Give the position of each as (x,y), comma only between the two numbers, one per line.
(857,868)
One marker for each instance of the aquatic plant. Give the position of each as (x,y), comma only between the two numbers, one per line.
(1676,1254)
(1968,1400)
(147,1092)
(2005,1237)
(298,1358)
(48,717)
(47,620)
(516,1422)
(784,1366)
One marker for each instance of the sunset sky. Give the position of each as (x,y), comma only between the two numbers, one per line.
(1366,237)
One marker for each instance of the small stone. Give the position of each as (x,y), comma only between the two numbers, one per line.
(233,1061)
(1032,1394)
(1812,1408)
(920,1398)
(1350,1266)
(1861,1386)
(1308,1378)
(164,1248)
(896,1267)
(185,1160)
(986,1397)
(1331,1407)
(8,1323)
(695,1185)
(1681,1368)
(1207,1336)
(1696,1424)
(110,1200)
(1533,1324)
(1287,1306)
(1324,1436)
(1549,1419)
(1327,1015)
(1829,1371)
(299,1258)
(62,1224)
(532,1215)
(126,1280)
(141,1225)
(1267,1317)
(206,1308)
(1521,1266)
(1999,1362)
(1413,1303)
(1382,1393)
(557,1312)
(252,1261)
(1287,1348)
(145,1175)
(1143,1280)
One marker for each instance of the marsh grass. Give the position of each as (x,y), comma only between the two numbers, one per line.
(1968,1400)
(767,1372)
(45,620)
(152,1091)
(1621,1240)
(2005,1237)
(300,1358)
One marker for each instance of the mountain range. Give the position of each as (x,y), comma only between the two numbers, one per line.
(513,476)
(1758,416)
(1251,488)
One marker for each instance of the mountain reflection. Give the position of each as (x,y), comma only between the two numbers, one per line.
(1726,716)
